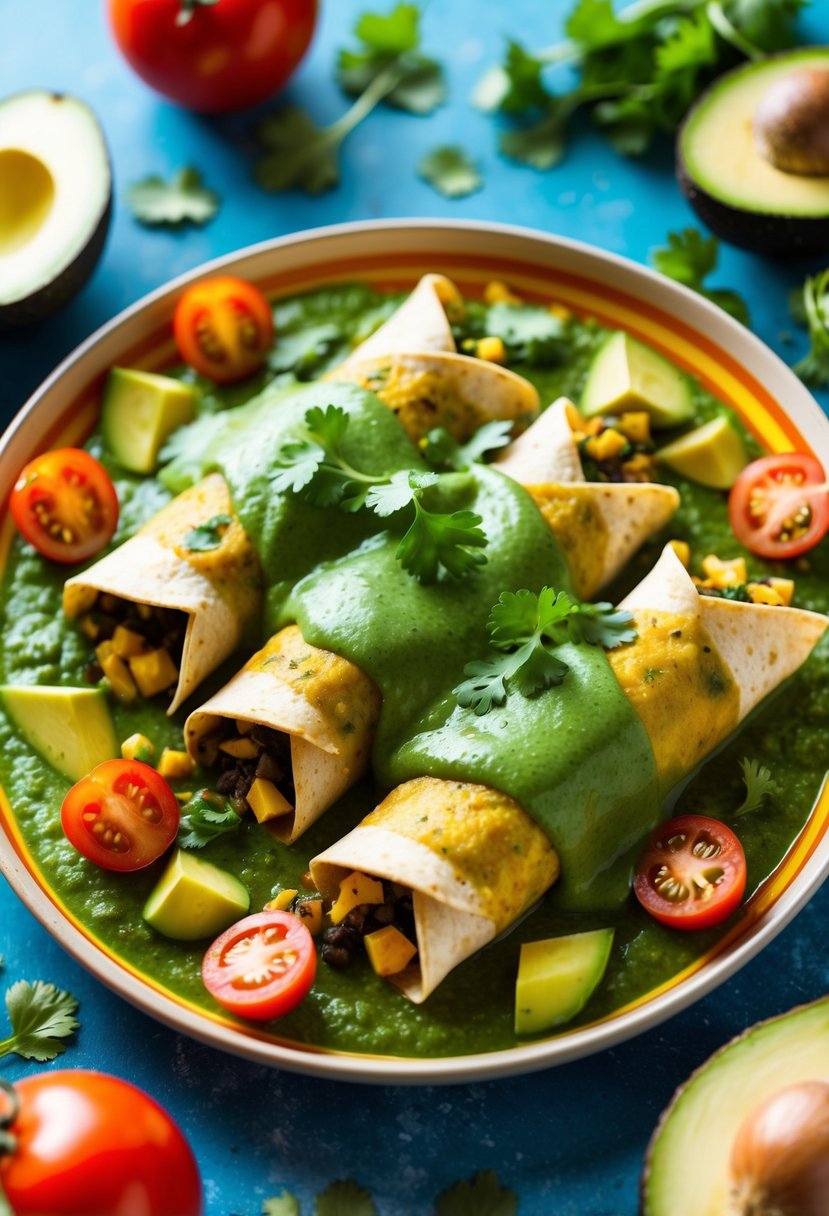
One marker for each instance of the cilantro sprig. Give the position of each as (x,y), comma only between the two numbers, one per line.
(812,307)
(183,200)
(315,467)
(442,451)
(451,171)
(689,258)
(204,818)
(759,784)
(525,629)
(41,1017)
(637,72)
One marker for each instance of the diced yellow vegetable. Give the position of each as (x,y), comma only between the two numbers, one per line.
(559,310)
(450,298)
(126,642)
(240,749)
(121,682)
(640,467)
(761,593)
(724,574)
(281,901)
(388,950)
(356,889)
(138,747)
(89,628)
(266,802)
(497,292)
(309,912)
(174,765)
(574,417)
(606,446)
(153,672)
(244,728)
(636,424)
(491,349)
(683,551)
(103,651)
(784,588)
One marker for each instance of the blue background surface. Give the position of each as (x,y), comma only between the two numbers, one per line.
(569,1141)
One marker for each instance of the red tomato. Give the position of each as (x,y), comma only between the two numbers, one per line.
(122,816)
(779,505)
(92,1145)
(65,505)
(213,55)
(223,328)
(261,967)
(693,873)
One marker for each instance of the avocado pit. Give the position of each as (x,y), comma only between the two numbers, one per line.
(791,123)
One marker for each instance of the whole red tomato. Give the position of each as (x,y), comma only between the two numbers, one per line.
(214,55)
(89,1144)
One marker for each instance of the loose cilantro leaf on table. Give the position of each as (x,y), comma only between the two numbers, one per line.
(393,39)
(183,200)
(203,819)
(344,1199)
(41,1016)
(451,171)
(314,466)
(483,1195)
(526,628)
(689,258)
(759,784)
(813,368)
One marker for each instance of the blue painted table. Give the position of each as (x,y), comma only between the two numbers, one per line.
(568,1141)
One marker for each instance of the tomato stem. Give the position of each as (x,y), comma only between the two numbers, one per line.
(8,1142)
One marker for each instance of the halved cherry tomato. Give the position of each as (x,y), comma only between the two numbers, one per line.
(261,967)
(223,328)
(779,505)
(122,816)
(91,1143)
(693,873)
(65,505)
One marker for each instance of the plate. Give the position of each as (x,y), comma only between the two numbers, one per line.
(725,357)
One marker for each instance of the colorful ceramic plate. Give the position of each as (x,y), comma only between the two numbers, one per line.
(728,360)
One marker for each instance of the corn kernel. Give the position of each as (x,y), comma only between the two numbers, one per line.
(174,765)
(138,747)
(497,292)
(491,349)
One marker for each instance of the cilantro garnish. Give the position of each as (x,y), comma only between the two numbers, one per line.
(483,1195)
(41,1015)
(208,535)
(442,450)
(812,308)
(689,257)
(451,171)
(183,200)
(387,67)
(759,784)
(204,818)
(637,72)
(315,467)
(525,628)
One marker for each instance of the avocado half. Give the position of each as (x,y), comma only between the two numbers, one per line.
(686,1170)
(55,202)
(728,180)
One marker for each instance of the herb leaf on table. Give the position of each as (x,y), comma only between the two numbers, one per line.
(451,171)
(689,258)
(41,1016)
(393,39)
(483,1195)
(345,1198)
(813,308)
(184,199)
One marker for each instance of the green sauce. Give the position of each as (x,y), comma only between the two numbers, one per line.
(325,583)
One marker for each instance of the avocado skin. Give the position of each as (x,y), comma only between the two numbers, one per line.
(55,295)
(776,236)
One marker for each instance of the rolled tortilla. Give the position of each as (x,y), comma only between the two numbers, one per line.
(326,706)
(219,589)
(697,668)
(467,886)
(420,323)
(599,525)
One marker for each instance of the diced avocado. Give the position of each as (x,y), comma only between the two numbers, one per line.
(195,899)
(140,410)
(70,727)
(626,375)
(712,455)
(703,1119)
(557,976)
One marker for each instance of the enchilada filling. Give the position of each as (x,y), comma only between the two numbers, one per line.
(253,767)
(138,647)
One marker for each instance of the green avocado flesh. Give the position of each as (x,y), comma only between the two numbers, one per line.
(71,728)
(353,1009)
(719,153)
(194,899)
(687,1170)
(626,375)
(140,410)
(557,977)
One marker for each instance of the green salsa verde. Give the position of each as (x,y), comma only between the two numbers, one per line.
(322,583)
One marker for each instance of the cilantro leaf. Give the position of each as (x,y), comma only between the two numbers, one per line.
(208,535)
(767,24)
(299,154)
(530,333)
(601,625)
(41,1015)
(443,451)
(541,145)
(436,540)
(813,368)
(450,170)
(689,257)
(522,87)
(392,41)
(759,784)
(284,1204)
(392,33)
(204,818)
(483,1195)
(399,492)
(183,200)
(344,1199)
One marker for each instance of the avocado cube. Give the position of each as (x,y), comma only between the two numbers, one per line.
(712,454)
(626,375)
(71,728)
(556,978)
(195,899)
(140,410)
